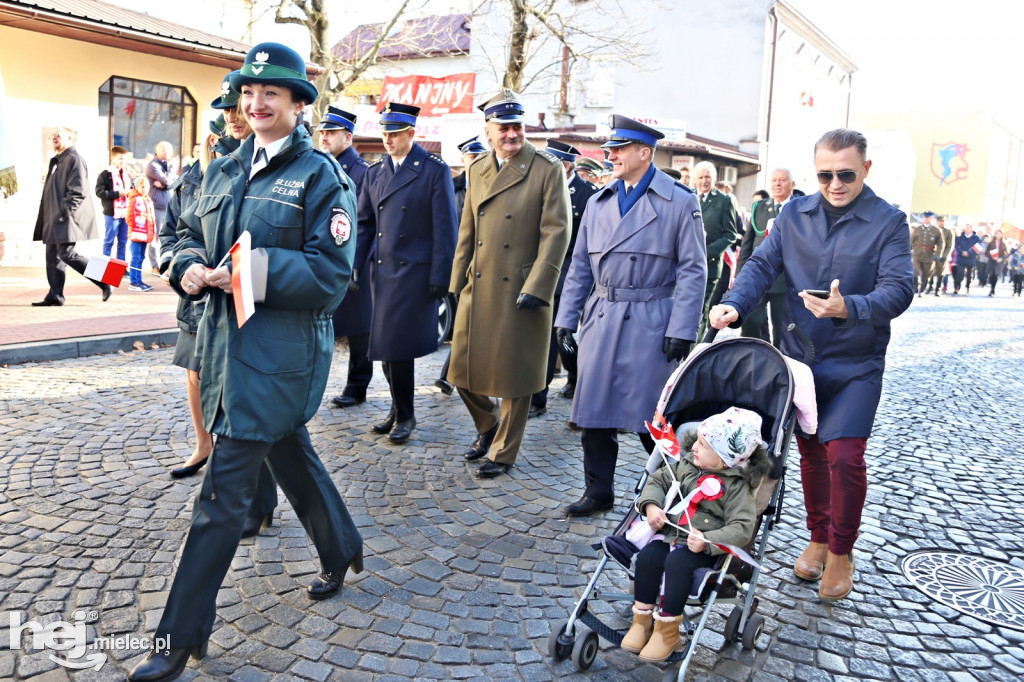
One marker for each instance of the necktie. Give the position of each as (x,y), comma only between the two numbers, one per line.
(629,188)
(398,164)
(260,163)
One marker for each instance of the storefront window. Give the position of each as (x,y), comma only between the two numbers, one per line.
(140,114)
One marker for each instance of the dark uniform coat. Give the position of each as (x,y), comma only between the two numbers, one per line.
(184,195)
(265,380)
(580,192)
(760,218)
(647,272)
(352,318)
(719,217)
(408,220)
(868,251)
(512,240)
(66,211)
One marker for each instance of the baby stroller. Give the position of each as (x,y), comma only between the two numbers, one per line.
(741,372)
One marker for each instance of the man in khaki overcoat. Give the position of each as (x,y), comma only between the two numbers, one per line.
(512,239)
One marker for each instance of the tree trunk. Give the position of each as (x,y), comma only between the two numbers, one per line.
(517,45)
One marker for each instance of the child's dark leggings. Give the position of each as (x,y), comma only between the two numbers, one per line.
(656,560)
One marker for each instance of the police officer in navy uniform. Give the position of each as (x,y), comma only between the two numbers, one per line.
(579,192)
(263,378)
(407,207)
(352,318)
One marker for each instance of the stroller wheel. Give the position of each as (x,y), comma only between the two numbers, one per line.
(584,651)
(671,674)
(732,625)
(751,633)
(559,644)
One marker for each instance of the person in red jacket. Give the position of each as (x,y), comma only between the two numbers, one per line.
(141,230)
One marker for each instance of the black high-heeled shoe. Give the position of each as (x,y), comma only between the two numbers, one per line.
(163,666)
(326,585)
(189,469)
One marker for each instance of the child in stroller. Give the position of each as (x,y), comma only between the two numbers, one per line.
(716,485)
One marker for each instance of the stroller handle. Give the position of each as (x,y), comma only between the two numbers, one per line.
(710,335)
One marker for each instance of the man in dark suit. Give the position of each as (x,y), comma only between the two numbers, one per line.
(352,318)
(407,230)
(579,192)
(719,217)
(762,217)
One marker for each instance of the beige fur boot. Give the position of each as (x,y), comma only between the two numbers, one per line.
(640,632)
(665,641)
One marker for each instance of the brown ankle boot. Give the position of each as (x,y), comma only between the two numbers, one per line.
(837,582)
(664,641)
(640,632)
(811,563)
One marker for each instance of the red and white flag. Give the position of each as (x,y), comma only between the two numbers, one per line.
(976,248)
(105,269)
(241,278)
(664,436)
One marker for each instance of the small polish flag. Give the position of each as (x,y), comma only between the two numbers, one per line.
(976,248)
(241,278)
(106,270)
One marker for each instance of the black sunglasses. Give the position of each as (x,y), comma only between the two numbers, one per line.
(845,176)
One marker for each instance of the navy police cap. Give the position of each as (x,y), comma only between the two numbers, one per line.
(561,150)
(228,96)
(275,64)
(505,107)
(398,117)
(472,146)
(337,119)
(928,214)
(627,131)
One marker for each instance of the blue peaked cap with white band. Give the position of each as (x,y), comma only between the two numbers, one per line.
(398,117)
(472,146)
(627,131)
(562,151)
(337,119)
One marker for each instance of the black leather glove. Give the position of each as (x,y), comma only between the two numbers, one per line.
(438,292)
(566,343)
(675,349)
(528,302)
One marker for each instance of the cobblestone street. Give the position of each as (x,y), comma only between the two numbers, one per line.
(464,577)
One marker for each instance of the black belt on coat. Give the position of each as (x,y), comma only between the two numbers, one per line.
(652,294)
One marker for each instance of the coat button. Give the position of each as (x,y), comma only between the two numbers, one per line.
(481,212)
(381,207)
(479,243)
(504,279)
(506,245)
(380,262)
(632,258)
(401,236)
(625,317)
(403,263)
(478,274)
(403,208)
(600,314)
(380,234)
(508,215)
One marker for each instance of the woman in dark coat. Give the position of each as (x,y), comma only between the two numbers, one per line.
(997,253)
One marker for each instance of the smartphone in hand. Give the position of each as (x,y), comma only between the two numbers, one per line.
(817,293)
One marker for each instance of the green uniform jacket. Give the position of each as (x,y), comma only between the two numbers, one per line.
(265,380)
(719,216)
(730,519)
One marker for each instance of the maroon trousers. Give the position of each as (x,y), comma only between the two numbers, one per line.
(835,480)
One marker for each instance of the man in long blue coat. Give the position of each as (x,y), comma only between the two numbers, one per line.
(856,246)
(641,250)
(407,229)
(352,318)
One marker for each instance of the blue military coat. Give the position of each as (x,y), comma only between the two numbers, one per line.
(352,317)
(648,270)
(868,251)
(407,232)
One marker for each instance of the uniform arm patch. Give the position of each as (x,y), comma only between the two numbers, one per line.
(341,226)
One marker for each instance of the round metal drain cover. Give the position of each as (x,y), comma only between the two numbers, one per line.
(982,588)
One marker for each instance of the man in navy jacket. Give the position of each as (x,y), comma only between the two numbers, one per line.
(856,247)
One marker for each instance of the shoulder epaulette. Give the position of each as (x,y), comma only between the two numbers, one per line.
(360,161)
(547,156)
(688,189)
(377,162)
(436,159)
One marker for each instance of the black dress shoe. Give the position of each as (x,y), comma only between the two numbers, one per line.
(254,524)
(536,412)
(402,431)
(445,387)
(163,666)
(585,506)
(46,302)
(384,426)
(346,401)
(482,444)
(189,469)
(573,426)
(568,391)
(492,469)
(327,585)
(105,288)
